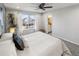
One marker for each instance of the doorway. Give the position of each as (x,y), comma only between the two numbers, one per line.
(50,23)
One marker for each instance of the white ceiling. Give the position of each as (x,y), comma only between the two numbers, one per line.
(34,6)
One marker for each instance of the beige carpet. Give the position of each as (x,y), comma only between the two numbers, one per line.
(74,49)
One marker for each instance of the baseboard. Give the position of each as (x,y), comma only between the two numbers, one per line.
(67,40)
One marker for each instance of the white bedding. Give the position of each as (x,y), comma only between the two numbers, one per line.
(41,44)
(7,48)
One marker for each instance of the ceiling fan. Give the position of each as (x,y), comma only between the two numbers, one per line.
(44,7)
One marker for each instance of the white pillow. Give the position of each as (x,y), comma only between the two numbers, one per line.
(7,48)
(6,36)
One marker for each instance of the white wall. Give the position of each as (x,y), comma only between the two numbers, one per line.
(66,23)
(39,21)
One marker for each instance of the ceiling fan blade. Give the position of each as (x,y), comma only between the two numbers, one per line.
(43,9)
(48,7)
(42,5)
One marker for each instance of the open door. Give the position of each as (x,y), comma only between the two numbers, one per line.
(50,24)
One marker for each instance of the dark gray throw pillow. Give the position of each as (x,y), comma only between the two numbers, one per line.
(18,42)
(0,35)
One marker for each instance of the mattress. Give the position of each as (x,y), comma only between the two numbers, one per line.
(41,44)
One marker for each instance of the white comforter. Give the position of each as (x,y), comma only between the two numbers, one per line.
(41,44)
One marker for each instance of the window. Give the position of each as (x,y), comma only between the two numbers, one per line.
(28,21)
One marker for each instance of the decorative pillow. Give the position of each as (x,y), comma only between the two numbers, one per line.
(0,35)
(7,48)
(18,42)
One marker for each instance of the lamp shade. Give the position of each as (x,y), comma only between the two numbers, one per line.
(12,29)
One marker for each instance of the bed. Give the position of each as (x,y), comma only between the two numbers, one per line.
(41,44)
